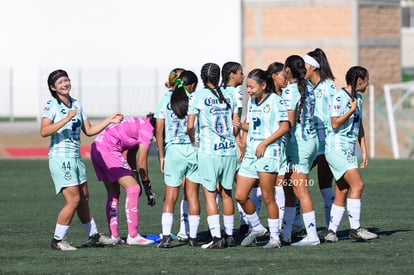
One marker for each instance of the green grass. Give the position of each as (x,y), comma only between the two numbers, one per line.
(29,208)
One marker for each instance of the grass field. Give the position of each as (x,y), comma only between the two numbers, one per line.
(29,209)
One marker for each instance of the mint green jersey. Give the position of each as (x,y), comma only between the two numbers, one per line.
(214,122)
(264,119)
(66,141)
(304,127)
(344,137)
(324,92)
(175,128)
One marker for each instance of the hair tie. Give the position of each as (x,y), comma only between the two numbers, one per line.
(311,61)
(179,82)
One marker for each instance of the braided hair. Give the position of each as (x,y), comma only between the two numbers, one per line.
(352,76)
(210,74)
(228,68)
(296,64)
(325,69)
(179,97)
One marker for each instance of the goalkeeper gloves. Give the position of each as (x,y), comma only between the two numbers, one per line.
(148,191)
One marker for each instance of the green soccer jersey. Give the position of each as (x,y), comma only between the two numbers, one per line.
(66,141)
(304,128)
(344,137)
(324,92)
(215,122)
(263,121)
(175,128)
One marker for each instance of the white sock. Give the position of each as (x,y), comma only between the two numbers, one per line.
(184,227)
(337,213)
(90,228)
(328,198)
(254,221)
(228,224)
(194,222)
(280,200)
(309,220)
(242,214)
(273,228)
(166,223)
(288,222)
(214,225)
(60,231)
(354,212)
(256,197)
(298,219)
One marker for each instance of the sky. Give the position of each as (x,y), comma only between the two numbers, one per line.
(44,35)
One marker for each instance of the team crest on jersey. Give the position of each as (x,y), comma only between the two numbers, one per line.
(319,93)
(67,176)
(266,108)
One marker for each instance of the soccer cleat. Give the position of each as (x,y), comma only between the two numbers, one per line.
(252,237)
(229,241)
(243,230)
(182,237)
(118,240)
(165,242)
(331,237)
(138,240)
(192,242)
(307,242)
(273,243)
(216,243)
(362,234)
(99,240)
(61,245)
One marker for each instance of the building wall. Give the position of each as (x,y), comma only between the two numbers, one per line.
(350,32)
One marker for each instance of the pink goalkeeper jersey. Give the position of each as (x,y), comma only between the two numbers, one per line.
(131,132)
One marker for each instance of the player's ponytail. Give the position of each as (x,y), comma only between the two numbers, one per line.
(180,95)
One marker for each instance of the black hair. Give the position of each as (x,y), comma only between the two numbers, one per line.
(179,98)
(152,120)
(51,80)
(352,76)
(260,77)
(296,64)
(210,73)
(227,69)
(325,69)
(273,68)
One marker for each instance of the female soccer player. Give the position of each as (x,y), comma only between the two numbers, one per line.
(301,149)
(63,120)
(215,109)
(134,135)
(320,76)
(179,160)
(345,130)
(182,234)
(278,81)
(266,122)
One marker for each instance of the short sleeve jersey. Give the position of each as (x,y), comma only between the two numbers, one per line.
(66,141)
(324,92)
(304,128)
(175,128)
(263,121)
(215,122)
(345,137)
(132,131)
